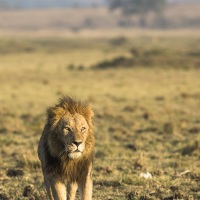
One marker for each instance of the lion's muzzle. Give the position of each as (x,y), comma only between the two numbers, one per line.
(75,150)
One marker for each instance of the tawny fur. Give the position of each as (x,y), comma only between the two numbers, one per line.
(62,169)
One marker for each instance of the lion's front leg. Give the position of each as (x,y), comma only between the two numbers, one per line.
(48,188)
(71,190)
(85,189)
(58,189)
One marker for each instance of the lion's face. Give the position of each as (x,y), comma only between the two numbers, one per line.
(73,131)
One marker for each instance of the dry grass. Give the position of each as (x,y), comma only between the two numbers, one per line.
(147,118)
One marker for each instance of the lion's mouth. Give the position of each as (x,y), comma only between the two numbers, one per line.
(75,154)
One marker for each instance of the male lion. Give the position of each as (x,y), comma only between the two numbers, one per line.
(66,150)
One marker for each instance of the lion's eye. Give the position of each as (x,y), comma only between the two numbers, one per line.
(83,129)
(67,128)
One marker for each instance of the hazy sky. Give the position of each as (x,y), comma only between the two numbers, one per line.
(62,3)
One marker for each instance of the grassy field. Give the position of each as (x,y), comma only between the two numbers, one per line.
(145,91)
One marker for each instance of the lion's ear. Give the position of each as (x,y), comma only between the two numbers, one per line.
(54,114)
(88,113)
(91,113)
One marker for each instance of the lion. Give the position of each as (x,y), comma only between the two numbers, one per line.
(66,150)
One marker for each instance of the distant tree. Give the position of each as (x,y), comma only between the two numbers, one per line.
(139,7)
(130,7)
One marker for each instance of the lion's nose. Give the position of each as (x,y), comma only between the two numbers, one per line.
(77,143)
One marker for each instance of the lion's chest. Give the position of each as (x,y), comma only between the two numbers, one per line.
(75,171)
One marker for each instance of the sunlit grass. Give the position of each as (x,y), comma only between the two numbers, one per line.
(146,115)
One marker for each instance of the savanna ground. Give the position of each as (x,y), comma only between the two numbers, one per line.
(145,91)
